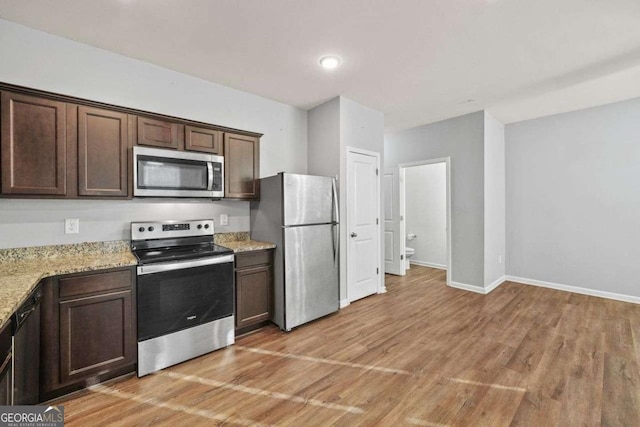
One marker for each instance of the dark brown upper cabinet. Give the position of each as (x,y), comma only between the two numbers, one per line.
(59,146)
(203,139)
(241,166)
(157,133)
(103,145)
(33,144)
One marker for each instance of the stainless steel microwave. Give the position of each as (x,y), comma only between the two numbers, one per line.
(167,173)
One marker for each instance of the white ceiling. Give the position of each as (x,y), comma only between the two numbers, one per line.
(418,61)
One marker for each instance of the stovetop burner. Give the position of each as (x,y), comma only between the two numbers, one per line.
(177,253)
(153,242)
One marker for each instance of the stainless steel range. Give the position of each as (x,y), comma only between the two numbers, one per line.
(185,292)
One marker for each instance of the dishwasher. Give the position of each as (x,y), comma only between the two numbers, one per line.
(26,351)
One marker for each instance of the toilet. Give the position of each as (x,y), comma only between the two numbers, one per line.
(408,252)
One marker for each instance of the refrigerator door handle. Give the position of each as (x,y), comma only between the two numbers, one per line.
(335,239)
(336,236)
(336,211)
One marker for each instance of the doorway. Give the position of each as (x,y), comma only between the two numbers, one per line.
(362,230)
(418,216)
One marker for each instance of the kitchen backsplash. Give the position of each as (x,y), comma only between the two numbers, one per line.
(26,223)
(55,251)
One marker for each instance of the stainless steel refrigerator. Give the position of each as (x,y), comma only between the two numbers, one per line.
(299,213)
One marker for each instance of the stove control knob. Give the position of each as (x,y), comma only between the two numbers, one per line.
(206,226)
(151,228)
(199,226)
(141,229)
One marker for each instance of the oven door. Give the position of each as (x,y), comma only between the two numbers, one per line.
(178,295)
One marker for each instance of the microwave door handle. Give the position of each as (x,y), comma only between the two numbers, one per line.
(209,176)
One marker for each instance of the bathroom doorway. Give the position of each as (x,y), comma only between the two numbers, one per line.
(425,214)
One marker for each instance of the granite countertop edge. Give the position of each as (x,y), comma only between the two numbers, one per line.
(248,246)
(19,278)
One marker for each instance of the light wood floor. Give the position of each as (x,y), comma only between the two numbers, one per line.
(421,354)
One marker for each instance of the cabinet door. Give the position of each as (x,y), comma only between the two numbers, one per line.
(253,295)
(241,166)
(201,139)
(157,133)
(5,381)
(88,330)
(97,333)
(5,365)
(33,145)
(102,152)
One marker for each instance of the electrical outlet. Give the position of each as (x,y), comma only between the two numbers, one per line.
(224,219)
(499,259)
(71,226)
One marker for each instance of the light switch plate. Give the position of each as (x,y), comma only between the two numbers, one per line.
(224,219)
(71,226)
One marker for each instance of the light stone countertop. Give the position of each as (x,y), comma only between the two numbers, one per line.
(19,275)
(21,269)
(247,245)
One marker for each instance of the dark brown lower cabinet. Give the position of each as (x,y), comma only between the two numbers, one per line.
(5,365)
(254,290)
(88,330)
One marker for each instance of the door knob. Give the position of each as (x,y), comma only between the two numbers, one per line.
(354,234)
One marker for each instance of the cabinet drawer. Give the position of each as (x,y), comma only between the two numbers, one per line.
(94,283)
(249,259)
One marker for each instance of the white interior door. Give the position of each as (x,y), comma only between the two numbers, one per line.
(393,259)
(363,259)
(402,213)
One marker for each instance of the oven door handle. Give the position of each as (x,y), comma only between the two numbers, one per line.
(171,266)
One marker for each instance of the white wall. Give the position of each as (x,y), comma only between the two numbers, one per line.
(35,59)
(360,127)
(573,199)
(323,137)
(494,201)
(462,139)
(426,212)
(334,126)
(41,222)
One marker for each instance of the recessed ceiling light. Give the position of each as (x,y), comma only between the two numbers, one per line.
(330,62)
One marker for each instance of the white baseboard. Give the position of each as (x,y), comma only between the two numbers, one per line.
(575,289)
(495,284)
(344,303)
(428,264)
(478,289)
(464,286)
